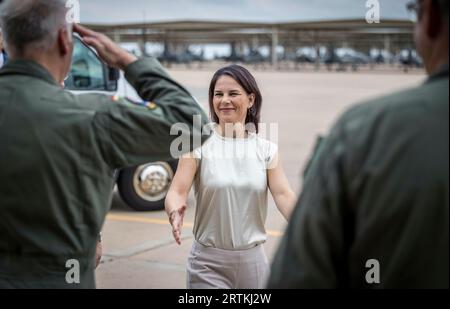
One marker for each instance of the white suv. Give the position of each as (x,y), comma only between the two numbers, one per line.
(141,187)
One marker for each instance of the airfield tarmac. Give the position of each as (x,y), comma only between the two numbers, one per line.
(138,248)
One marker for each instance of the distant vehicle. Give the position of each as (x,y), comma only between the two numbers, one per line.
(141,187)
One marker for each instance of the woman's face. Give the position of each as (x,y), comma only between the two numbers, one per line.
(230,101)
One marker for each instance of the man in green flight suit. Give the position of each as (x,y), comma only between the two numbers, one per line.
(58,151)
(374,210)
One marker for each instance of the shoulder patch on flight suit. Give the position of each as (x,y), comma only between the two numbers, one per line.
(149,105)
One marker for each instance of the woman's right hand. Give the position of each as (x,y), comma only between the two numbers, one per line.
(176,220)
(178,194)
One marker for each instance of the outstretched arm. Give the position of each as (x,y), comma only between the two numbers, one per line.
(176,199)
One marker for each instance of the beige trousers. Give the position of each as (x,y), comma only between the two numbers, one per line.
(213,268)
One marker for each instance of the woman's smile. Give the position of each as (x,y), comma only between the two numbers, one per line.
(227,109)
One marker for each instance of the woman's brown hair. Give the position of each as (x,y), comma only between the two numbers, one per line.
(246,80)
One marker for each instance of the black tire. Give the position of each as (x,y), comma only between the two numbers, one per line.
(128,188)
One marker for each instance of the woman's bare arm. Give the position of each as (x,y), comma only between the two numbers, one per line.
(176,199)
(280,188)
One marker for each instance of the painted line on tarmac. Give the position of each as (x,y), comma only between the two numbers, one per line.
(142,220)
(124,218)
(143,247)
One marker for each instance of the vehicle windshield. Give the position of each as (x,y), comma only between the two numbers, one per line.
(86,72)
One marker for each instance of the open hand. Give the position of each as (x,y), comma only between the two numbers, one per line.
(176,220)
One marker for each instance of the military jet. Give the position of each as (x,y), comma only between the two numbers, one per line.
(408,58)
(344,58)
(254,57)
(186,57)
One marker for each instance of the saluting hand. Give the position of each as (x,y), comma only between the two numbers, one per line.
(107,50)
(176,220)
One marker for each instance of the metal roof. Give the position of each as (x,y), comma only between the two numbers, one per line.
(208,32)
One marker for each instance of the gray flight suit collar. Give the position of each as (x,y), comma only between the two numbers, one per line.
(440,73)
(29,68)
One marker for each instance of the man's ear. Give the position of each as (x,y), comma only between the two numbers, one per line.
(64,42)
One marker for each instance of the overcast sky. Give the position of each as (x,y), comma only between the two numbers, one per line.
(135,11)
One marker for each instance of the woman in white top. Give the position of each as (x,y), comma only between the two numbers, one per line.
(231,173)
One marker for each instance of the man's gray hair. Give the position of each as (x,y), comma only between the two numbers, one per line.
(31,23)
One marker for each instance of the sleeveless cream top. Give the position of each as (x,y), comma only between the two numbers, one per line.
(231,191)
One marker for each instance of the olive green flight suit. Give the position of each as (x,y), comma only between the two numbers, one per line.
(58,153)
(374,211)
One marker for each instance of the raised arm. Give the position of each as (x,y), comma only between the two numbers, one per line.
(147,76)
(130,134)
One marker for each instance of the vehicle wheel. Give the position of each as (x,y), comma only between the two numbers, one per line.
(144,187)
